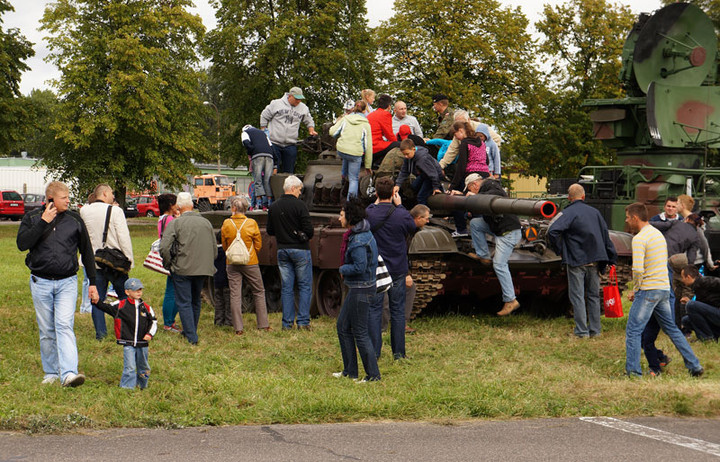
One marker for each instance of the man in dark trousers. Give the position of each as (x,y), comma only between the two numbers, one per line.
(704,312)
(581,236)
(390,224)
(289,221)
(53,235)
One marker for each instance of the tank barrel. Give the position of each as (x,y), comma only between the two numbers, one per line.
(486,204)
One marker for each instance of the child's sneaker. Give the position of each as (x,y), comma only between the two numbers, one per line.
(172,328)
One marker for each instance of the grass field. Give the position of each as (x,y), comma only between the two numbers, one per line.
(459,367)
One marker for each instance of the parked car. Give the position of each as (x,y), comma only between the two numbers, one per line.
(11,205)
(131,210)
(33,201)
(147,206)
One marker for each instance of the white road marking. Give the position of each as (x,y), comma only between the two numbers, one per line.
(660,435)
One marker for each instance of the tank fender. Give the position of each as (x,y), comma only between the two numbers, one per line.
(432,239)
(622,242)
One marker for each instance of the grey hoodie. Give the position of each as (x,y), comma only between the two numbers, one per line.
(283,120)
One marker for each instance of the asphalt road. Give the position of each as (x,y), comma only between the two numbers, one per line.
(586,439)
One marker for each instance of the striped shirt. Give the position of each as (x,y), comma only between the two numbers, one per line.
(650,260)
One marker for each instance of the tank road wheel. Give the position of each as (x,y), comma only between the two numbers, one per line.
(329,293)
(204,205)
(273,288)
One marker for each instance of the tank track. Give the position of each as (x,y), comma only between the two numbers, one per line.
(428,275)
(624,273)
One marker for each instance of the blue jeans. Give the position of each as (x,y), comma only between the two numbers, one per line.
(55,312)
(295,264)
(352,330)
(584,292)
(351,166)
(187,298)
(705,319)
(423,188)
(85,305)
(136,369)
(102,278)
(287,156)
(169,308)
(262,167)
(396,303)
(504,246)
(655,303)
(651,331)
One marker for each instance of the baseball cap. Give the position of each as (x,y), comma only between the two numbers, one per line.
(296,93)
(133,284)
(439,97)
(472,177)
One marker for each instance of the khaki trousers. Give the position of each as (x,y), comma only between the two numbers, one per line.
(236,273)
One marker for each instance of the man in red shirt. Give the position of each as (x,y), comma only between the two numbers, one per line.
(383,138)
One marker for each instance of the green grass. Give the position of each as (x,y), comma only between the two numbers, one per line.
(460,367)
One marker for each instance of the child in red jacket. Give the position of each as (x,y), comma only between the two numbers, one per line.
(135,326)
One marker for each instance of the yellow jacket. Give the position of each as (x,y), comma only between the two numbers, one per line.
(250,235)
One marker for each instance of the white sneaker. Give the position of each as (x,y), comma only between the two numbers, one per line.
(73,380)
(50,379)
(338,375)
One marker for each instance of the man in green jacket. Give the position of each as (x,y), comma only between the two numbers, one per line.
(189,250)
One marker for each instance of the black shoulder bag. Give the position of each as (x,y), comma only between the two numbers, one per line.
(108,259)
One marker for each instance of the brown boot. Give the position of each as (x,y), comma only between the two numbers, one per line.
(483,261)
(509,307)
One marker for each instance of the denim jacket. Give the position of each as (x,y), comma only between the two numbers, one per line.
(361,257)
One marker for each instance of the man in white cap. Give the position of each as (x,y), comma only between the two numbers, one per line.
(281,118)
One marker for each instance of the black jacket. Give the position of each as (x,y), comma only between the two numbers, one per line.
(707,290)
(128,316)
(289,221)
(502,223)
(422,163)
(681,237)
(54,246)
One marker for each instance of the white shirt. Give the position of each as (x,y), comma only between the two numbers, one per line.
(118,234)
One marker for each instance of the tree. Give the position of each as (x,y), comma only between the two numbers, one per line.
(38,137)
(582,45)
(474,51)
(130,107)
(261,48)
(14,50)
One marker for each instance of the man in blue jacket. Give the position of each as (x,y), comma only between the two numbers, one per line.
(581,236)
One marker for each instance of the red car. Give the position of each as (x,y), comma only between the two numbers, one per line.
(12,205)
(147,206)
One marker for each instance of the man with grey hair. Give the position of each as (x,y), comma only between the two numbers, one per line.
(281,118)
(188,248)
(95,216)
(289,221)
(581,236)
(401,117)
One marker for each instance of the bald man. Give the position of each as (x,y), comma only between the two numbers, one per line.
(581,236)
(401,117)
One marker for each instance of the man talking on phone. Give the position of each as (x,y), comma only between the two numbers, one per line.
(53,235)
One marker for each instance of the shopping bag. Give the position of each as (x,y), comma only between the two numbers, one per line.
(154,261)
(611,296)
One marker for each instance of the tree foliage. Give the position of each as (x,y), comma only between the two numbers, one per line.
(474,51)
(261,48)
(129,108)
(14,50)
(38,138)
(582,47)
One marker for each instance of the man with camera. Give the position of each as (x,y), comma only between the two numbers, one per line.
(289,221)
(95,216)
(53,235)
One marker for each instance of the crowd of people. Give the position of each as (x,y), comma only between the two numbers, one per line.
(666,248)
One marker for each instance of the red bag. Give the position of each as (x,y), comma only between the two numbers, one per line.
(611,296)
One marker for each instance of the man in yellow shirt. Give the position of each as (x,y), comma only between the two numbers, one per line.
(651,293)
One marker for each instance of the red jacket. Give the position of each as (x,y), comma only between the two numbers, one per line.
(381,126)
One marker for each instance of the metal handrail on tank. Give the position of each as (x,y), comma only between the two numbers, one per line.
(487,204)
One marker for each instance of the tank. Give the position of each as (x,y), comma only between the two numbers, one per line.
(665,127)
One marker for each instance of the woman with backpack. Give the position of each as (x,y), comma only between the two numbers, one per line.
(241,241)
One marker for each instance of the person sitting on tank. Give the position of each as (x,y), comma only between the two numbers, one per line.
(449,158)
(472,186)
(669,212)
(426,169)
(473,155)
(383,138)
(506,230)
(354,142)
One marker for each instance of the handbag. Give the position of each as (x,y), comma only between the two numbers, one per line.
(154,260)
(237,253)
(611,296)
(111,259)
(383,281)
